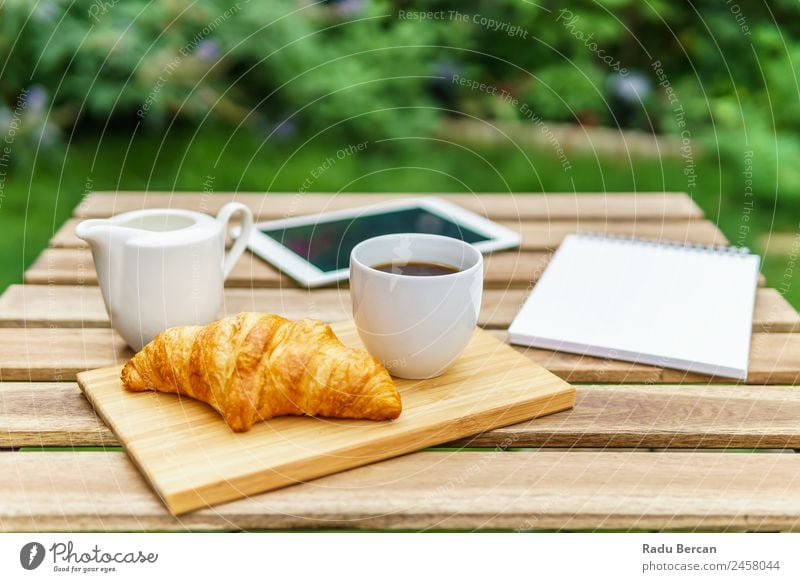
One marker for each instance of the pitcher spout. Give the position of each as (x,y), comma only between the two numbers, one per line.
(93,231)
(102,232)
(106,240)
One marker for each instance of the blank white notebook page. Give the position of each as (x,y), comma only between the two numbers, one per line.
(668,305)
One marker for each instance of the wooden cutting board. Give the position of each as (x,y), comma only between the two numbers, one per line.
(194,460)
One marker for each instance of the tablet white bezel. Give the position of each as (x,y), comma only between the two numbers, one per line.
(302,271)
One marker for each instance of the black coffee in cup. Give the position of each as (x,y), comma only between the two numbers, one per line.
(416,269)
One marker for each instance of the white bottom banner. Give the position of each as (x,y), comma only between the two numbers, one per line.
(385,556)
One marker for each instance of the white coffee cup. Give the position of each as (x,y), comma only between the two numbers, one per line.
(417,326)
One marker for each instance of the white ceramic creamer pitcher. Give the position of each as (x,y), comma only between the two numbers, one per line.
(160,267)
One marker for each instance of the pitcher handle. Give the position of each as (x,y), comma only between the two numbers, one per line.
(224,216)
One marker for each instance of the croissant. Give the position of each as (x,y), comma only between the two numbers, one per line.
(255,366)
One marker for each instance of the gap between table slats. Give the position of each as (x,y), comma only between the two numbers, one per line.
(82,306)
(58,354)
(49,414)
(429,490)
(76,267)
(503,270)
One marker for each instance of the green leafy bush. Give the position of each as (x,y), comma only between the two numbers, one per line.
(386,69)
(274,67)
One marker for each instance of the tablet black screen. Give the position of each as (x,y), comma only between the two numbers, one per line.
(327,245)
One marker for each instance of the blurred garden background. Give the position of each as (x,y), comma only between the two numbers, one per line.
(445,96)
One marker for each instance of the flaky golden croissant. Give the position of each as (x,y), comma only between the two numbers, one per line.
(255,366)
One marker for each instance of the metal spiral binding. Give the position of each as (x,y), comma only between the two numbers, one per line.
(687,246)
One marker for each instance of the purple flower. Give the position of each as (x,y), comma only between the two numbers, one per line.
(207,50)
(36,98)
(285,129)
(46,11)
(631,87)
(447,69)
(348,7)
(5,118)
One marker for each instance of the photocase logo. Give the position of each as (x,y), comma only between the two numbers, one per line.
(31,555)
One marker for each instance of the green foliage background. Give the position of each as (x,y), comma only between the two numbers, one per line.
(158,95)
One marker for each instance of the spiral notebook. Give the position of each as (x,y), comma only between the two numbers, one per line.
(672,305)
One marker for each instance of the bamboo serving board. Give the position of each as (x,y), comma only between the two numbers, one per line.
(194,460)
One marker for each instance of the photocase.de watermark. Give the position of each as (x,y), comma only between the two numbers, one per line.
(168,69)
(492,24)
(320,169)
(100,8)
(749,200)
(739,16)
(525,110)
(64,557)
(12,128)
(785,284)
(678,112)
(330,162)
(570,22)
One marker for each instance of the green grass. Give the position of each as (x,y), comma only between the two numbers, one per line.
(39,195)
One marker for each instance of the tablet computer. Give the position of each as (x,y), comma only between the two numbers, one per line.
(315,250)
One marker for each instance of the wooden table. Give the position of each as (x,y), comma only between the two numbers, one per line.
(641,450)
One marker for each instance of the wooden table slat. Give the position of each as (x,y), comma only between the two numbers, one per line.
(503,270)
(526,206)
(49,414)
(82,306)
(539,235)
(58,354)
(429,490)
(76,267)
(774,359)
(664,416)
